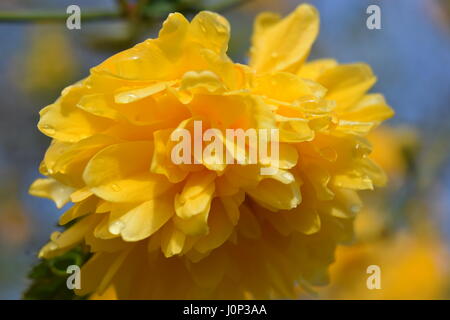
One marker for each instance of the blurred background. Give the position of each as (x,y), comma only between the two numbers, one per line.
(404,228)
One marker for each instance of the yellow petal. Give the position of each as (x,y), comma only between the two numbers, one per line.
(196,196)
(319,178)
(275,195)
(145,219)
(210,30)
(355,127)
(196,205)
(98,272)
(352,180)
(225,187)
(248,224)
(144,62)
(284,45)
(172,240)
(346,84)
(99,104)
(288,156)
(162,162)
(51,189)
(201,270)
(105,245)
(375,172)
(109,294)
(285,86)
(195,82)
(371,107)
(303,219)
(64,121)
(346,206)
(294,130)
(195,225)
(314,69)
(60,243)
(172,36)
(71,159)
(133,95)
(78,210)
(231,206)
(220,228)
(120,173)
(102,232)
(80,195)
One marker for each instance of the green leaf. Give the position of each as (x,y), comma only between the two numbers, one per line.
(49,276)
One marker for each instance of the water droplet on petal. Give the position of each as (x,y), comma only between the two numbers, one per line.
(55,235)
(355,208)
(48,129)
(116,227)
(221,29)
(115,187)
(130,97)
(287,177)
(53,246)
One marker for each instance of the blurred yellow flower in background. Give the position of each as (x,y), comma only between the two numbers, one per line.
(414,265)
(391,148)
(49,60)
(413,260)
(159,230)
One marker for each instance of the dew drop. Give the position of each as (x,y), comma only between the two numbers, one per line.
(55,235)
(116,227)
(355,208)
(48,129)
(288,177)
(53,246)
(127,98)
(221,30)
(115,187)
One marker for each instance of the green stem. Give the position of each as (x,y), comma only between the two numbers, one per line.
(227,5)
(36,16)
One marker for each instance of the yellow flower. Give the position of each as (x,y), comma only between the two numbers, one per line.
(413,266)
(161,230)
(40,60)
(391,148)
